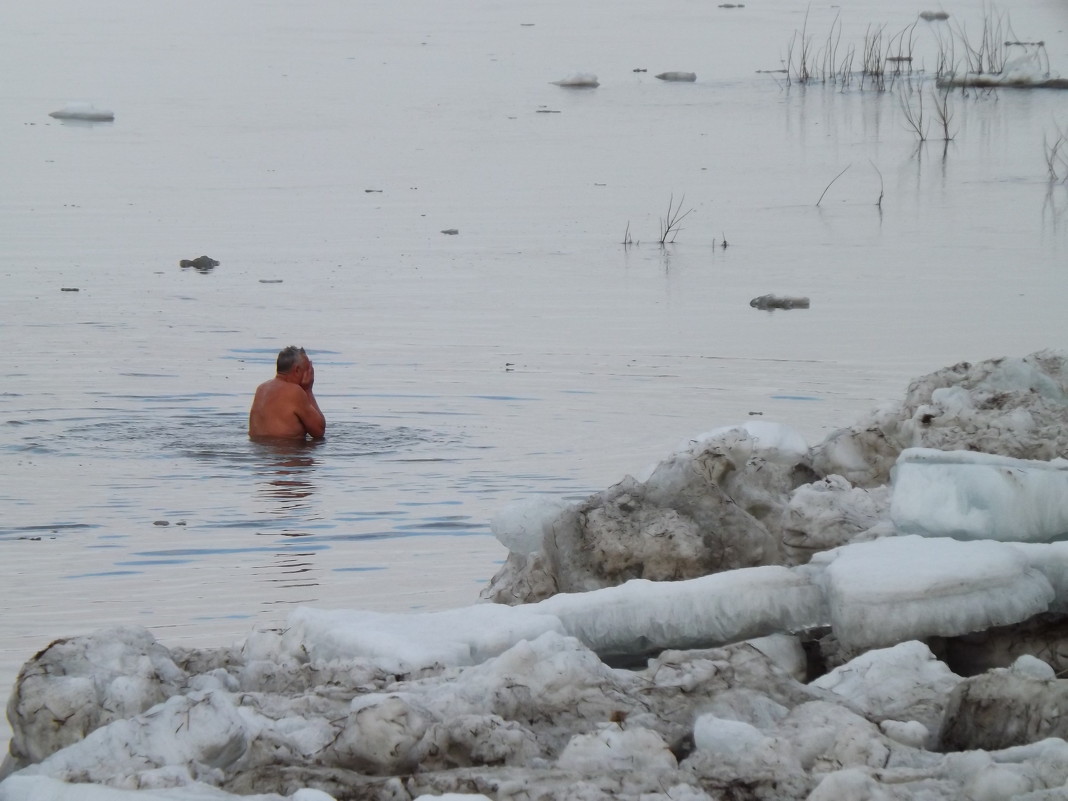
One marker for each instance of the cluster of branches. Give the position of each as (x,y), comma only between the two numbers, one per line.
(670,224)
(964,58)
(915,118)
(882,57)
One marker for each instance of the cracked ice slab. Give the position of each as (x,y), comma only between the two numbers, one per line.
(973,496)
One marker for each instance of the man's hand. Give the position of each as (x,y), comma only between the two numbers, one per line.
(309,378)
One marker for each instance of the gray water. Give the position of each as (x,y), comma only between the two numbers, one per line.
(319,149)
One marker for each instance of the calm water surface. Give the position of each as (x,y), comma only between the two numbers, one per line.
(317,150)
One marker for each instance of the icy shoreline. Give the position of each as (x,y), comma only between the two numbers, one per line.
(908,647)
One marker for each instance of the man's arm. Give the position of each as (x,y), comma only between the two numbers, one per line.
(311,416)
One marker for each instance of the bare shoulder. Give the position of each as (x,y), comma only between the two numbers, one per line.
(277,387)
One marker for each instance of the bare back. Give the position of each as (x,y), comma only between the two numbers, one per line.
(284,409)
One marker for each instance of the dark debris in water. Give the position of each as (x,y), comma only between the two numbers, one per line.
(766,302)
(203,264)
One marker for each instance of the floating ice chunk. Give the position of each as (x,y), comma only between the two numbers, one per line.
(406,642)
(520,527)
(83,111)
(682,77)
(578,80)
(969,495)
(904,588)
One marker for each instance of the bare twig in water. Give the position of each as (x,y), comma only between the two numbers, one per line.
(943,112)
(839,175)
(987,53)
(627,241)
(878,202)
(1056,155)
(803,69)
(873,66)
(830,50)
(914,115)
(670,225)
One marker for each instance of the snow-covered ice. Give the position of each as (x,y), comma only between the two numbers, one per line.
(579,80)
(679,76)
(738,622)
(86,112)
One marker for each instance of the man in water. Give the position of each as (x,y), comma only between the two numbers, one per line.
(285,406)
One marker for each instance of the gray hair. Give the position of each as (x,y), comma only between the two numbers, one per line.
(290,357)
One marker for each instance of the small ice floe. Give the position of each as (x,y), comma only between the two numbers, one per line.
(1026,66)
(86,112)
(578,80)
(680,77)
(779,302)
(934,16)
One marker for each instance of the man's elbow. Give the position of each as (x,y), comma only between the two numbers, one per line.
(317,430)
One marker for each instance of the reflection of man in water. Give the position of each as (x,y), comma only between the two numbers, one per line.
(285,405)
